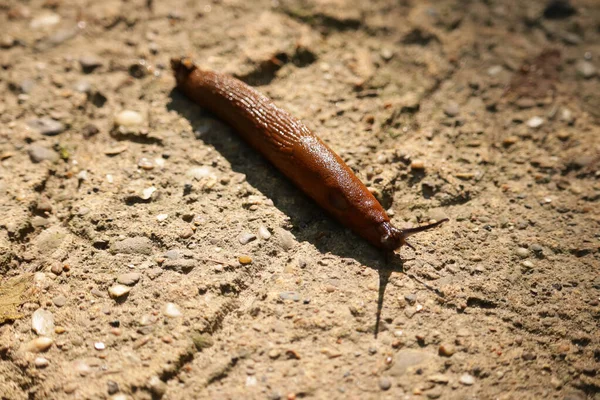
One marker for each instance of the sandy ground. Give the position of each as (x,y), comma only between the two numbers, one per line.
(126,209)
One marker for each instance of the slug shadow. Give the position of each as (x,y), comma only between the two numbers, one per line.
(310,222)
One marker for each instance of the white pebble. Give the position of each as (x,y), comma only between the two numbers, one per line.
(42,322)
(263,232)
(129,118)
(467,379)
(118,290)
(41,362)
(147,193)
(162,217)
(99,346)
(172,310)
(45,21)
(535,122)
(200,172)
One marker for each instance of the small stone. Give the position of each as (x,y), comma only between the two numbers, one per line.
(118,291)
(439,378)
(446,350)
(42,322)
(89,63)
(44,21)
(148,192)
(41,362)
(526,102)
(7,41)
(172,310)
(59,301)
(263,232)
(146,164)
(467,379)
(274,354)
(290,295)
(385,383)
(134,245)
(99,346)
(535,122)
(162,217)
(586,69)
(452,109)
(82,86)
(528,356)
(387,54)
(286,240)
(410,298)
(199,173)
(129,278)
(112,387)
(39,345)
(522,252)
(157,387)
(129,118)
(245,260)
(39,153)
(417,165)
(245,237)
(46,126)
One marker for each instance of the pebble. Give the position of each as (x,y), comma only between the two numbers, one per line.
(199,173)
(82,86)
(286,239)
(535,122)
(245,260)
(39,345)
(118,291)
(439,378)
(172,310)
(134,245)
(263,232)
(417,165)
(446,350)
(129,278)
(290,295)
(129,118)
(586,69)
(46,126)
(467,379)
(245,237)
(99,346)
(42,322)
(146,164)
(452,109)
(41,362)
(162,217)
(148,192)
(522,252)
(157,387)
(89,63)
(385,383)
(44,21)
(59,301)
(410,298)
(112,387)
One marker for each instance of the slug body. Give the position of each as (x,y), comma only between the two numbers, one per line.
(297,152)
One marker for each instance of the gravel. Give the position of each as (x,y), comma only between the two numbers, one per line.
(46,126)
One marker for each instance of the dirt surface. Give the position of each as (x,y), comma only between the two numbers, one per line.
(146,252)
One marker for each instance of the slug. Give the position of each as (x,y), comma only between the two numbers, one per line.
(296,151)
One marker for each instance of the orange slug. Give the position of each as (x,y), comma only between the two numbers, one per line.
(290,146)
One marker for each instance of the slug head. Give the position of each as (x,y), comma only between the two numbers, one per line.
(182,67)
(393,238)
